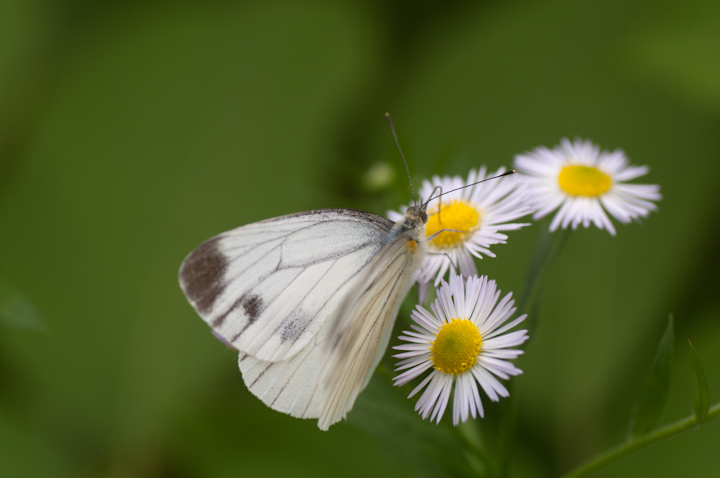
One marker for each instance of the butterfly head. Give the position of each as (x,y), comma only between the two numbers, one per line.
(416,215)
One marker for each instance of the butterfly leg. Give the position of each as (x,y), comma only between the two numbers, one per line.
(431,237)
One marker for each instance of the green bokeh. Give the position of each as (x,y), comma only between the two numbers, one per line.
(131,132)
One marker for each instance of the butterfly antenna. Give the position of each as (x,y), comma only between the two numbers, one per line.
(512,171)
(439,201)
(407,170)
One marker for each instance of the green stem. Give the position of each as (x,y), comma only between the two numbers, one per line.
(546,250)
(641,442)
(476,451)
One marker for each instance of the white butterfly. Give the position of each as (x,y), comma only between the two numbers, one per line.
(309,300)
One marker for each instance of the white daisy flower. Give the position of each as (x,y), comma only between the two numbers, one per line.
(480,212)
(464,342)
(586,184)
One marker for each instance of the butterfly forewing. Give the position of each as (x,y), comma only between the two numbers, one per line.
(268,287)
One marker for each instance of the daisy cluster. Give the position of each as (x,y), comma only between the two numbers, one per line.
(464,339)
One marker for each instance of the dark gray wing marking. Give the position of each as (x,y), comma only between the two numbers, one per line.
(202,273)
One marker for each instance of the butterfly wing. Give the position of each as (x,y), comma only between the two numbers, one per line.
(291,386)
(268,287)
(360,332)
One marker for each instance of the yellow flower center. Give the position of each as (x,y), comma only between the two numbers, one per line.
(583,181)
(456,347)
(457,215)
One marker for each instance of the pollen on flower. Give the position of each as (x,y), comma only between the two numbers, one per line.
(456,347)
(583,181)
(457,215)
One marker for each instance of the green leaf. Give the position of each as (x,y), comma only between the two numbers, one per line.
(701,403)
(651,403)
(17,311)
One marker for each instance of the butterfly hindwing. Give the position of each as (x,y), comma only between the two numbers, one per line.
(293,385)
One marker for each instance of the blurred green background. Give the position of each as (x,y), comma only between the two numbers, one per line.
(132,131)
